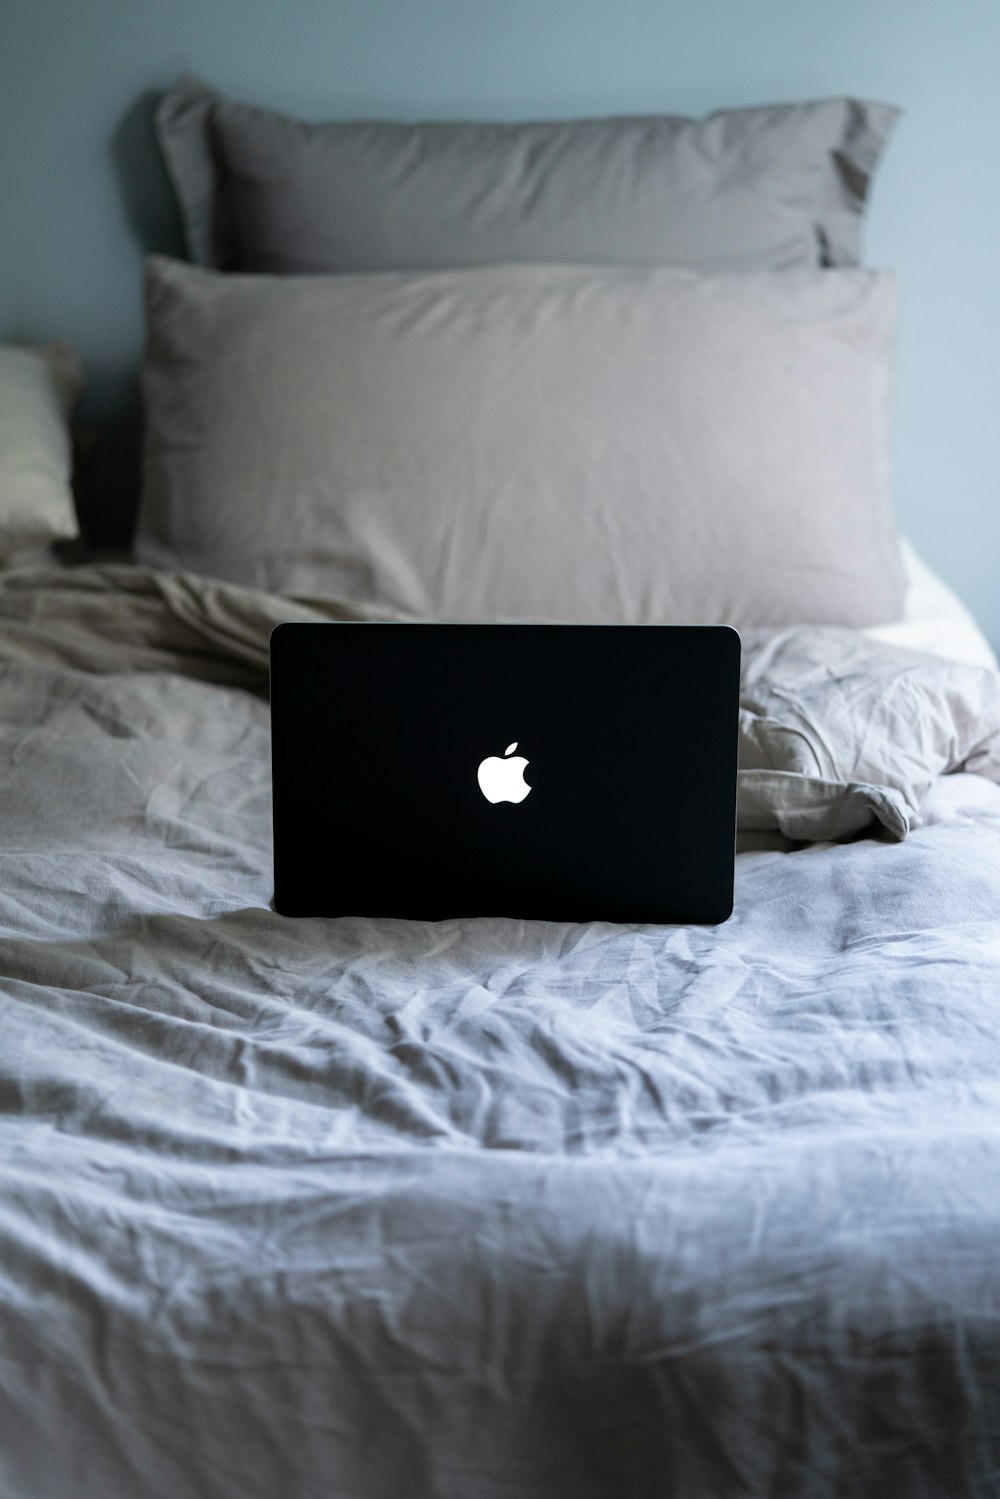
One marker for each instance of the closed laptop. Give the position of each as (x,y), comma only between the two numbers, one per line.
(560,772)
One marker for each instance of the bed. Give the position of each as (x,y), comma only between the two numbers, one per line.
(367,1207)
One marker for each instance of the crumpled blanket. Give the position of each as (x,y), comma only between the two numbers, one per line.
(838,733)
(484,1207)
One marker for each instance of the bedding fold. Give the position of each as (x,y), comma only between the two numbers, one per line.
(839,734)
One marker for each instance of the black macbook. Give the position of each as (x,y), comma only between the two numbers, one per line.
(562,772)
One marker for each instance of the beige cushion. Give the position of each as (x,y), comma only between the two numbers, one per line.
(39,386)
(529,442)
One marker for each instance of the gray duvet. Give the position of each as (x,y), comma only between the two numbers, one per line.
(358,1209)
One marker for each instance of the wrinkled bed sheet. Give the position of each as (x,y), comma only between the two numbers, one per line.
(358,1209)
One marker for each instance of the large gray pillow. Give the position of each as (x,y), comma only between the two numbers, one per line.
(529,442)
(772,188)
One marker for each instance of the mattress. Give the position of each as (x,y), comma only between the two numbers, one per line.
(480,1208)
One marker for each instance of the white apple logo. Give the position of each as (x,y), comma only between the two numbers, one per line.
(503,780)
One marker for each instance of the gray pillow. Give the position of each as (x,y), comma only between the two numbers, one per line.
(773,188)
(529,442)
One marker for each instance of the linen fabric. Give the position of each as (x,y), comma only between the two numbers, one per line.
(432,1210)
(39,386)
(840,733)
(775,187)
(602,445)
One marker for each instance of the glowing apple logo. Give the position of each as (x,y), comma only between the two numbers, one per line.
(503,780)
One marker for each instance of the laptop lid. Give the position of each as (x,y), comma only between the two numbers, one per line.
(562,772)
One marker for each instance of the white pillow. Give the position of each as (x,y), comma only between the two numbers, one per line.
(934,618)
(39,387)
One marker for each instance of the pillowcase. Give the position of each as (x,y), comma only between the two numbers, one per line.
(39,386)
(772,188)
(528,442)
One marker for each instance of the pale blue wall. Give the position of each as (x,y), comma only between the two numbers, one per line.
(82,194)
